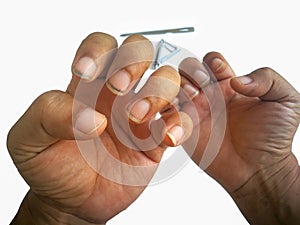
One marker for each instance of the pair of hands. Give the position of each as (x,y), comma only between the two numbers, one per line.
(53,144)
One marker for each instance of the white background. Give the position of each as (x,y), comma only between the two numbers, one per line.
(38,40)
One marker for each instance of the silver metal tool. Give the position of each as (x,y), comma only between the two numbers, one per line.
(153,32)
(165,51)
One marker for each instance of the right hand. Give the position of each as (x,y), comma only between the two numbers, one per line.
(262,116)
(63,163)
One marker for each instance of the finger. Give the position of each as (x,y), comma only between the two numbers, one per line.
(264,83)
(188,91)
(93,56)
(189,109)
(132,60)
(159,90)
(194,71)
(219,66)
(179,127)
(168,132)
(51,117)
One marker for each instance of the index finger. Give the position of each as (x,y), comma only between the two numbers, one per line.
(93,56)
(133,58)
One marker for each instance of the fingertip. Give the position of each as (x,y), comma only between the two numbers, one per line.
(89,123)
(158,92)
(264,83)
(179,127)
(218,65)
(135,38)
(85,68)
(211,55)
(241,82)
(243,85)
(132,60)
(174,135)
(93,55)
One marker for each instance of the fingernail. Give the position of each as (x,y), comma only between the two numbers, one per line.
(139,110)
(245,80)
(89,121)
(119,82)
(190,90)
(85,68)
(201,78)
(217,65)
(175,135)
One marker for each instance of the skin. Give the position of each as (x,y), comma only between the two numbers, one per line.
(64,188)
(254,164)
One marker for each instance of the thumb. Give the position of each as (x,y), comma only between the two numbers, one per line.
(266,84)
(53,116)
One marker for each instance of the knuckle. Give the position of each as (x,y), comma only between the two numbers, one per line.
(42,103)
(47,101)
(49,97)
(267,71)
(53,108)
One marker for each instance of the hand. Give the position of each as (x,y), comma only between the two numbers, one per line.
(59,144)
(254,163)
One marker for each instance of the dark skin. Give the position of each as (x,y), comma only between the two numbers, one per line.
(262,118)
(255,163)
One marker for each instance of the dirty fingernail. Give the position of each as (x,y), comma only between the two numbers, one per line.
(119,82)
(175,135)
(85,68)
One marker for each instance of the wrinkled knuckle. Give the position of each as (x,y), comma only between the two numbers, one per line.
(49,96)
(48,100)
(44,102)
